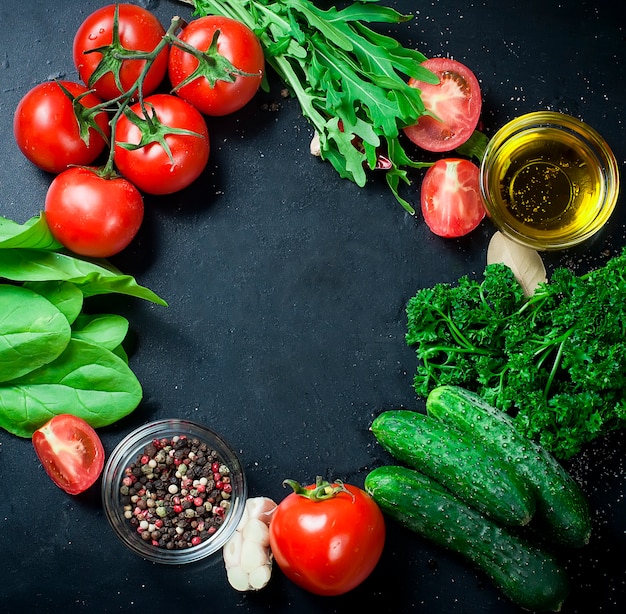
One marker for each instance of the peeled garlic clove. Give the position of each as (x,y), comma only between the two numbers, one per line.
(259,578)
(238,579)
(256,531)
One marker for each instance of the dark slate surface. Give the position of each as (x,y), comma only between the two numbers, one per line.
(284,331)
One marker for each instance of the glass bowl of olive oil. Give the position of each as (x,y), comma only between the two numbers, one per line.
(548,180)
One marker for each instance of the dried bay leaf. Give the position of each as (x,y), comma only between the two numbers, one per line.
(525,262)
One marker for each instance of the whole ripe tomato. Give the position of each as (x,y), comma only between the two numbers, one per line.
(70,451)
(92,215)
(327,538)
(153,168)
(139,30)
(234,73)
(455,102)
(48,132)
(450,197)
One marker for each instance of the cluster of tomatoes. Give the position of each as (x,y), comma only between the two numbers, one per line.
(154,143)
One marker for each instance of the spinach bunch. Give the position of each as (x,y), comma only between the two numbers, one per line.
(54,357)
(350,81)
(556,360)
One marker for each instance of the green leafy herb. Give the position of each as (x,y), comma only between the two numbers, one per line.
(33,331)
(556,360)
(29,253)
(87,380)
(53,357)
(350,81)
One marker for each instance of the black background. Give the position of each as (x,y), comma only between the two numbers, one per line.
(284,332)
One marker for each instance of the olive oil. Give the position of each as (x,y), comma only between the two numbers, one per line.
(549,185)
(548,180)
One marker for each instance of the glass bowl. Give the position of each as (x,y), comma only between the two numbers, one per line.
(548,180)
(161,497)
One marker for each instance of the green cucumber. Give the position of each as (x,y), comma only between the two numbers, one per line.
(561,504)
(456,460)
(526,574)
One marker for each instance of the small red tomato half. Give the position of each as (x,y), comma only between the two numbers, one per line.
(455,102)
(327,538)
(47,130)
(91,215)
(139,30)
(450,197)
(151,167)
(232,72)
(70,451)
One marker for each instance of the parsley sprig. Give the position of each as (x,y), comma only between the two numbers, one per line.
(555,360)
(350,81)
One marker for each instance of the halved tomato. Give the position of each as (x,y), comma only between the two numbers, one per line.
(454,106)
(70,451)
(450,197)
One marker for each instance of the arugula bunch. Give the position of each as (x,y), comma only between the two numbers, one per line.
(556,360)
(350,81)
(54,357)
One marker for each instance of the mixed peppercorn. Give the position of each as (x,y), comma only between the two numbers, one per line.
(176,493)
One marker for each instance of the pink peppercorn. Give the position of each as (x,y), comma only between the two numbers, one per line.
(196,540)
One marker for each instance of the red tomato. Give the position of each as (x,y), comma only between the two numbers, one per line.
(149,167)
(450,197)
(328,546)
(47,130)
(218,90)
(93,216)
(70,451)
(139,30)
(456,102)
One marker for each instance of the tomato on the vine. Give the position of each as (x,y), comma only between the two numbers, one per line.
(139,30)
(163,150)
(92,215)
(455,104)
(70,451)
(47,129)
(327,538)
(234,70)
(450,197)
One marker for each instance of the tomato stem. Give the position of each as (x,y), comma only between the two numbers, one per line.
(322,490)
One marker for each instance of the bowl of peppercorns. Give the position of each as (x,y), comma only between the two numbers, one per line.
(174,491)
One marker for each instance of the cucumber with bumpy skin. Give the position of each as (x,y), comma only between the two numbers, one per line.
(457,461)
(561,504)
(526,574)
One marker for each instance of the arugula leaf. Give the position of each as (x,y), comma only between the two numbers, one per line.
(33,331)
(86,380)
(345,76)
(556,360)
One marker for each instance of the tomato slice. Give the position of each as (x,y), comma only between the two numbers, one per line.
(70,451)
(450,197)
(455,104)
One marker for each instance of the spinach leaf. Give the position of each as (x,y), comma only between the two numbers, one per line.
(86,380)
(35,233)
(23,265)
(65,296)
(107,330)
(33,331)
